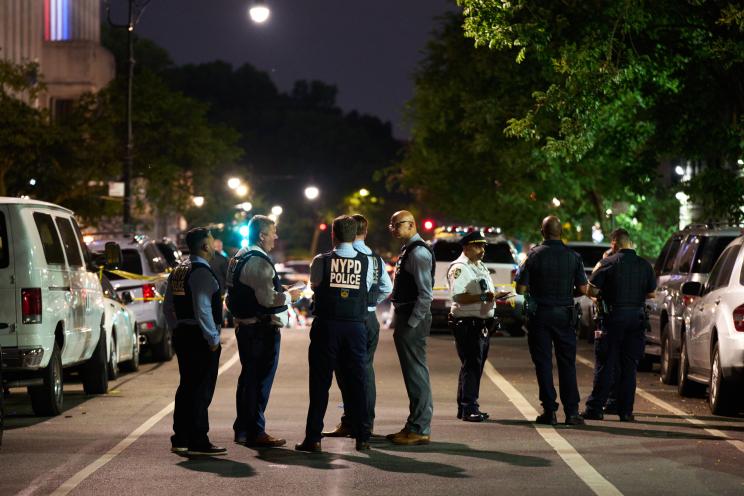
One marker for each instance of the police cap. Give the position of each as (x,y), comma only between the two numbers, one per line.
(473,237)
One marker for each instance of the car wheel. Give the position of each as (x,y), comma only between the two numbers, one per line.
(686,386)
(163,351)
(668,365)
(113,360)
(720,397)
(133,364)
(47,399)
(95,371)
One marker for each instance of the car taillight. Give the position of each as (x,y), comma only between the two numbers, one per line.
(688,300)
(739,318)
(148,292)
(31,305)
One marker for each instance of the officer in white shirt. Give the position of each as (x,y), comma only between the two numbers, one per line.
(471,320)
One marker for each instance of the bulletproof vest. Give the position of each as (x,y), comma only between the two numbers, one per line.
(551,269)
(342,294)
(374,290)
(625,283)
(178,281)
(404,286)
(241,298)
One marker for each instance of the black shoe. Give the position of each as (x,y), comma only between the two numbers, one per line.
(362,445)
(575,419)
(592,414)
(178,445)
(240,438)
(473,417)
(179,449)
(485,415)
(308,447)
(547,418)
(627,417)
(611,408)
(208,450)
(459,413)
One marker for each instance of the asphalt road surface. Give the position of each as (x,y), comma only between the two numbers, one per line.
(119,443)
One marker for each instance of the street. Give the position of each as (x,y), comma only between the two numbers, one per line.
(119,443)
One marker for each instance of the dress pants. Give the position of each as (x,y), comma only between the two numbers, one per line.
(472,347)
(624,339)
(342,346)
(373,337)
(410,343)
(258,346)
(551,327)
(197,367)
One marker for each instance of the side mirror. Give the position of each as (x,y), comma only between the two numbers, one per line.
(692,288)
(127,297)
(112,253)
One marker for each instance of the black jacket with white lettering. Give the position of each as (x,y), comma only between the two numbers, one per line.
(342,294)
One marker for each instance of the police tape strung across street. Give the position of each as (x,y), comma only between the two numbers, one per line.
(130,275)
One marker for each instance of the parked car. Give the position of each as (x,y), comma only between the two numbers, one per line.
(121,330)
(500,259)
(169,249)
(143,274)
(590,253)
(712,336)
(51,306)
(688,255)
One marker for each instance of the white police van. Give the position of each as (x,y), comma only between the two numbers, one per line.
(51,307)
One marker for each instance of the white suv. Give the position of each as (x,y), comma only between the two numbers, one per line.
(712,351)
(51,307)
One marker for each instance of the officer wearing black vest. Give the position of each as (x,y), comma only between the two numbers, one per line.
(550,273)
(412,296)
(341,281)
(259,305)
(193,309)
(625,281)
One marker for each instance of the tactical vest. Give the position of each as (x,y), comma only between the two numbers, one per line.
(378,267)
(241,298)
(405,290)
(551,270)
(178,281)
(625,283)
(342,294)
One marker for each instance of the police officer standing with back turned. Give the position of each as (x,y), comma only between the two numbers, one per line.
(258,304)
(341,281)
(624,280)
(193,308)
(471,320)
(380,289)
(550,273)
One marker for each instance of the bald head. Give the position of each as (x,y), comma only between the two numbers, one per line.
(551,227)
(403,225)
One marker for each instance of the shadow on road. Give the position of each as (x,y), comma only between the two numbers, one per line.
(220,466)
(459,449)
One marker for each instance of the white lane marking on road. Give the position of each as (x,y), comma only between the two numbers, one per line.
(676,411)
(86,472)
(588,474)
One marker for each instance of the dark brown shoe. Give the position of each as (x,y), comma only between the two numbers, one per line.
(266,441)
(308,447)
(341,430)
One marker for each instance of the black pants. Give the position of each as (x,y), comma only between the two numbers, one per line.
(552,326)
(343,346)
(620,349)
(373,337)
(472,340)
(258,346)
(197,366)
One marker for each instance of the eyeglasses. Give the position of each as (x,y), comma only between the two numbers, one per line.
(396,225)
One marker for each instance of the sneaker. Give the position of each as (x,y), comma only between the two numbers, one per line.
(208,450)
(179,449)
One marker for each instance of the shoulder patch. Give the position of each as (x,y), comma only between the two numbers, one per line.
(457,273)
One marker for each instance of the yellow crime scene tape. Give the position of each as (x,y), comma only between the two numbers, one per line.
(130,275)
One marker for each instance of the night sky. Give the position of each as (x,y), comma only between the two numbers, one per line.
(368,49)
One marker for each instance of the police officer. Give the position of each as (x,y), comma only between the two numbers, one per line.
(193,309)
(471,320)
(412,296)
(550,273)
(381,287)
(341,281)
(259,305)
(625,281)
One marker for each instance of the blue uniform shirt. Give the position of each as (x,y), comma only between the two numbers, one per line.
(624,278)
(203,285)
(549,287)
(386,285)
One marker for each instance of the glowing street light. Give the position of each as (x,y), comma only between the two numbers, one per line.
(556,202)
(363,192)
(312,193)
(679,170)
(277,210)
(234,182)
(245,206)
(198,201)
(241,190)
(259,12)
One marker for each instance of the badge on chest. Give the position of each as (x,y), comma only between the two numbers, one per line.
(346,273)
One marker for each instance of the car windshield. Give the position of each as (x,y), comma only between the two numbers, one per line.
(498,253)
(590,255)
(708,252)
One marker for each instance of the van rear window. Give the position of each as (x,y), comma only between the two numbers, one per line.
(710,249)
(4,249)
(49,239)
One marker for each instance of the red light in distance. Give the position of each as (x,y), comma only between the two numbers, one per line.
(428,224)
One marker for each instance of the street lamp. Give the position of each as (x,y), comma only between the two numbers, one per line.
(198,201)
(277,210)
(259,12)
(312,193)
(234,182)
(241,190)
(363,192)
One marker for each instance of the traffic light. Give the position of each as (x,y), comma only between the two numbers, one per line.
(429,225)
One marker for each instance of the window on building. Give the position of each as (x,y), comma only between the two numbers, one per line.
(61,108)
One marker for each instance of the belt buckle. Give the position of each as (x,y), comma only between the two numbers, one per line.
(484,330)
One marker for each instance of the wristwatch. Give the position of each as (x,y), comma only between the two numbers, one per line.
(484,297)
